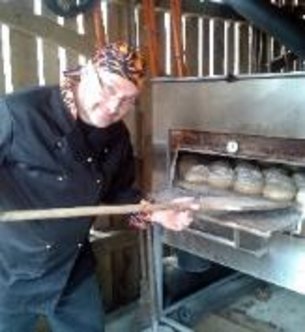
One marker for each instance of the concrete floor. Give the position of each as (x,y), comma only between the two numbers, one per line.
(270,309)
(122,320)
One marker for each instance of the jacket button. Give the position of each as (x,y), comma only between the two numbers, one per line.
(89,160)
(59,144)
(80,245)
(60,178)
(48,247)
(106,150)
(98,181)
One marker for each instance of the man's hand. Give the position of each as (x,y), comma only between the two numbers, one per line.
(178,218)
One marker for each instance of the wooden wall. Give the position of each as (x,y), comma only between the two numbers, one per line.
(36,46)
(212,46)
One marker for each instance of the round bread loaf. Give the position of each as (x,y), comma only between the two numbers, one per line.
(185,163)
(275,174)
(197,174)
(300,197)
(299,179)
(277,192)
(221,175)
(278,185)
(249,179)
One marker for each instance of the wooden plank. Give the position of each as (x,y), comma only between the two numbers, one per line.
(178,61)
(290,4)
(23,54)
(263,52)
(117,267)
(89,30)
(130,21)
(132,273)
(2,77)
(255,50)
(130,119)
(231,47)
(206,47)
(24,20)
(191,49)
(138,113)
(206,8)
(143,146)
(244,49)
(24,68)
(50,52)
(173,70)
(104,274)
(144,130)
(126,278)
(71,55)
(143,34)
(118,24)
(118,271)
(161,39)
(269,46)
(219,46)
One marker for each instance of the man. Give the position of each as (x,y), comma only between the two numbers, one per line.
(65,146)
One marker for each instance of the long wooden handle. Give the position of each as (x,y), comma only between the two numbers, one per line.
(86,211)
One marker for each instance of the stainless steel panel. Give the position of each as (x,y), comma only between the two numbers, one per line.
(284,265)
(269,106)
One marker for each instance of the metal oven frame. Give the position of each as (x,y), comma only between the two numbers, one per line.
(283,264)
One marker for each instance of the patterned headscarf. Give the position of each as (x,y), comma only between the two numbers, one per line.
(121,59)
(118,58)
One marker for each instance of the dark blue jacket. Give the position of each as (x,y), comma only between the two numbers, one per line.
(49,160)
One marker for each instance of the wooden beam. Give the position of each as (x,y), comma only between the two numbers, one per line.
(206,8)
(99,28)
(179,65)
(24,68)
(40,26)
(151,37)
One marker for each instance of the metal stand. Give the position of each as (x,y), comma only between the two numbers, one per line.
(155,269)
(188,310)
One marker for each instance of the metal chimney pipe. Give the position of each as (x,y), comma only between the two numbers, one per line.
(288,29)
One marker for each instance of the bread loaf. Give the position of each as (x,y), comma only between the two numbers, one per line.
(278,185)
(221,175)
(197,174)
(249,179)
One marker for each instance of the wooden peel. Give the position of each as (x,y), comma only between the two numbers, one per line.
(203,204)
(88,211)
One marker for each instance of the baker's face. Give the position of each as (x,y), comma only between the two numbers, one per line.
(105,98)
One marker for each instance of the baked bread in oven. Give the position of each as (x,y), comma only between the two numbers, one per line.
(249,179)
(221,175)
(278,185)
(299,179)
(197,174)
